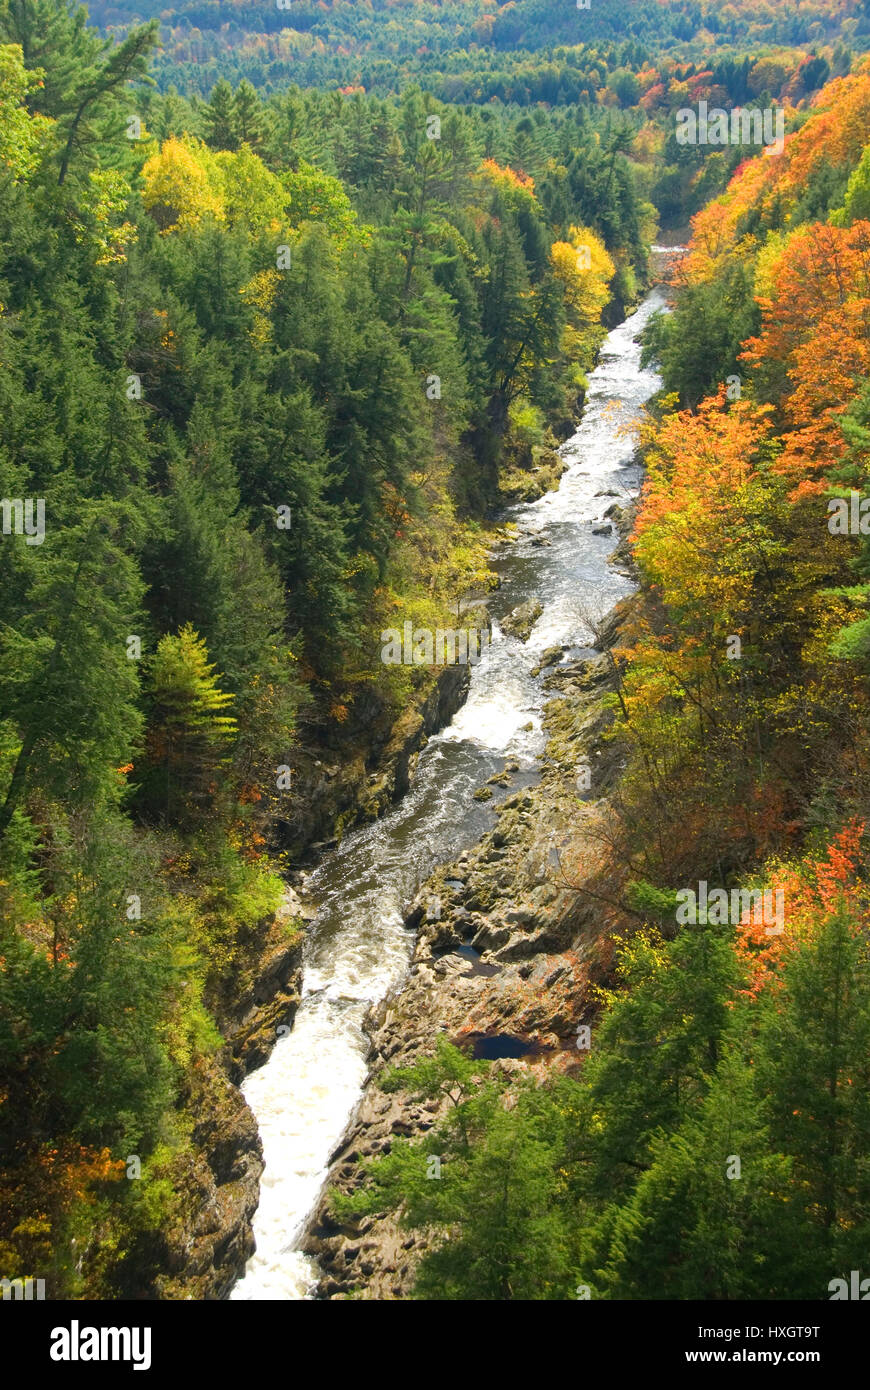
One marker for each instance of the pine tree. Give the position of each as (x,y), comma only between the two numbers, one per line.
(495,1196)
(249,121)
(69,687)
(813,1064)
(109,1073)
(86,77)
(188,734)
(657,1047)
(219,118)
(712,1217)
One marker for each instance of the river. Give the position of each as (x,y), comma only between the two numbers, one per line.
(357,947)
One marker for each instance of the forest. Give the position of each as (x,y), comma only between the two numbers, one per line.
(755,1043)
(534,48)
(292,306)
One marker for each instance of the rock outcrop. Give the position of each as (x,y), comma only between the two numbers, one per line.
(363,768)
(218,1180)
(522,619)
(217,1173)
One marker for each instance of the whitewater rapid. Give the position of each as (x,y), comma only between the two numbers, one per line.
(357,948)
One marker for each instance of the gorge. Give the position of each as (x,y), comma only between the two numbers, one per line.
(357,948)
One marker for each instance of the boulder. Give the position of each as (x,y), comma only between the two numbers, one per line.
(520,622)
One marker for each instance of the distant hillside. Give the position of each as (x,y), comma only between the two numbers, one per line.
(379,44)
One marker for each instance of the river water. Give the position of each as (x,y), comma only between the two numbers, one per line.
(357,948)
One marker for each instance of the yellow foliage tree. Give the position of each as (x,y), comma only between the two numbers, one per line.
(253,197)
(517,189)
(182,185)
(259,293)
(585,269)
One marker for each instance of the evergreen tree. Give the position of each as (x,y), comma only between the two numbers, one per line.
(813,1065)
(85,77)
(219,118)
(249,122)
(110,1073)
(486,1179)
(657,1048)
(188,733)
(70,688)
(712,1217)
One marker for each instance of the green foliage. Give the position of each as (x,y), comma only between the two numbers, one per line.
(85,77)
(852,643)
(529,53)
(696,1225)
(21,134)
(485,1175)
(218,334)
(651,902)
(711,1149)
(447,1073)
(527,423)
(812,1066)
(188,733)
(696,347)
(857,204)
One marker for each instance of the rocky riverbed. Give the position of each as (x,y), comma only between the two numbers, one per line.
(218,1173)
(505,947)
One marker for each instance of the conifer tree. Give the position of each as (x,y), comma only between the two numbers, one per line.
(813,1065)
(188,734)
(249,122)
(712,1217)
(69,688)
(657,1048)
(219,118)
(85,77)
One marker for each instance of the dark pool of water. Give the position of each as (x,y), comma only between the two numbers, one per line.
(501,1045)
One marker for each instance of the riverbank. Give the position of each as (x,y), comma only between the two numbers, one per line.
(509,959)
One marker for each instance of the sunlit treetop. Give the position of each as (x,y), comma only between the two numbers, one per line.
(23,137)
